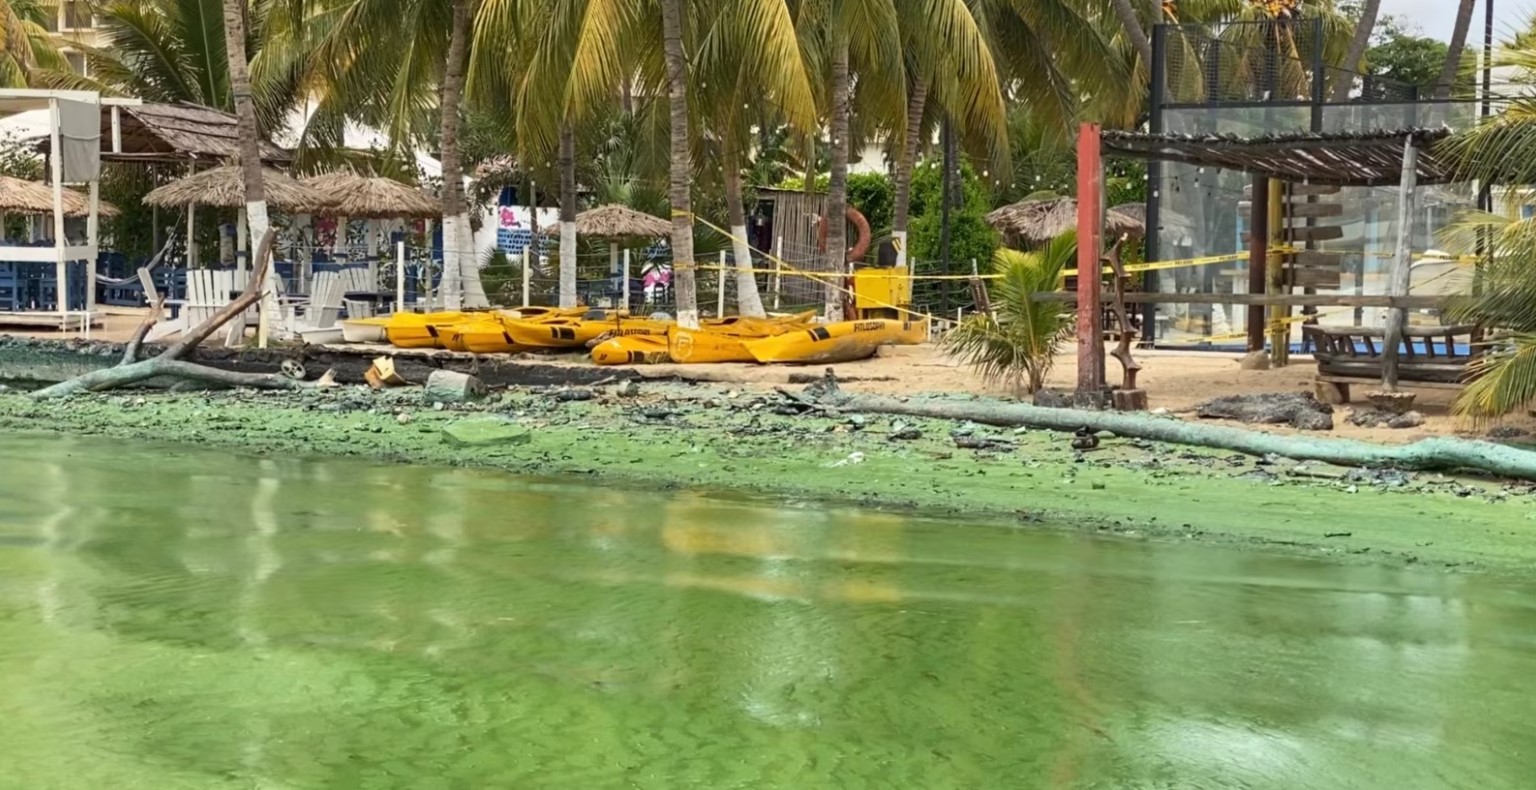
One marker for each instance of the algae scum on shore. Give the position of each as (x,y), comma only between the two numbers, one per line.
(669,435)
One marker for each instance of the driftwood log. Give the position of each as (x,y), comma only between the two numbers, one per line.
(1443,454)
(134,368)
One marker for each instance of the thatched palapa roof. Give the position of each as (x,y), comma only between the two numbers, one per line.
(19,196)
(225,186)
(1038,221)
(617,222)
(174,133)
(375,197)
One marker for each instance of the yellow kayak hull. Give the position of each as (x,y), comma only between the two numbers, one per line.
(632,350)
(696,347)
(577,334)
(478,337)
(419,330)
(844,341)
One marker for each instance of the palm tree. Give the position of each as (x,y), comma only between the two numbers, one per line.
(398,65)
(680,177)
(860,37)
(1134,30)
(24,42)
(1453,53)
(245,114)
(1045,56)
(1357,45)
(729,86)
(460,267)
(1016,343)
(1500,149)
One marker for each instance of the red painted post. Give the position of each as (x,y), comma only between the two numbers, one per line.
(1090,244)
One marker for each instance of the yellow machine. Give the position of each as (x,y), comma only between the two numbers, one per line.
(879,291)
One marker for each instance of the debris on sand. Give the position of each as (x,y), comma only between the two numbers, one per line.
(1297,409)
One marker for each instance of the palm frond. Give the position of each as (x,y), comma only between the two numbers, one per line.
(1502,380)
(1017,342)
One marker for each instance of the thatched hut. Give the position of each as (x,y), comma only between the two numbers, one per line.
(1030,222)
(19,196)
(618,224)
(225,187)
(373,197)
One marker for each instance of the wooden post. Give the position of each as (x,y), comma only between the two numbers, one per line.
(625,274)
(93,244)
(56,165)
(400,276)
(1398,280)
(1279,328)
(242,243)
(720,297)
(1090,223)
(1258,258)
(778,269)
(527,281)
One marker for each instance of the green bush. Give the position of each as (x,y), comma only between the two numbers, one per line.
(970,237)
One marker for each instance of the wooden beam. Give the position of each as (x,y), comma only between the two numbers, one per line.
(1258,258)
(1090,219)
(1279,328)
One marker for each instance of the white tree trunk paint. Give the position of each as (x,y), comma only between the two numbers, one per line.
(450,290)
(567,264)
(748,302)
(899,241)
(257,221)
(470,287)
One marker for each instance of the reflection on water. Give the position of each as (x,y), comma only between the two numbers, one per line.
(176,619)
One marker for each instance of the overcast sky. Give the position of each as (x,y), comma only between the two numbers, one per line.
(1437,17)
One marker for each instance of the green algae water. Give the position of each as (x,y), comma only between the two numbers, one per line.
(171,618)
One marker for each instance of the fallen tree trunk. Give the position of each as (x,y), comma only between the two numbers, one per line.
(1427,454)
(131,369)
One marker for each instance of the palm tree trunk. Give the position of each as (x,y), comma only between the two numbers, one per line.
(837,188)
(250,149)
(567,216)
(916,102)
(1453,53)
(1134,31)
(461,272)
(748,302)
(681,176)
(1357,46)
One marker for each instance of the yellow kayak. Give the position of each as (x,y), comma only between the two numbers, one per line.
(544,313)
(632,350)
(419,330)
(566,333)
(844,341)
(485,336)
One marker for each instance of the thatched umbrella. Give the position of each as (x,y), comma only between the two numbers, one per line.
(19,196)
(373,197)
(225,187)
(618,223)
(1038,221)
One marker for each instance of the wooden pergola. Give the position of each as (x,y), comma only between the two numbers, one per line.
(1363,159)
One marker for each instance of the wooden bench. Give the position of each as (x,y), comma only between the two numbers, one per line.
(1430,357)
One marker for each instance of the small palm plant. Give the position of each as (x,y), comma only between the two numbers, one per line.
(1500,149)
(1016,343)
